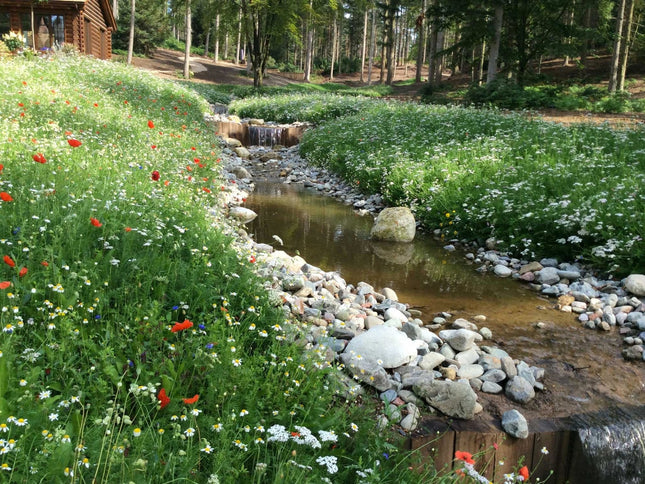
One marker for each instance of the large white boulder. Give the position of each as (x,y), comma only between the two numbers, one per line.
(394,224)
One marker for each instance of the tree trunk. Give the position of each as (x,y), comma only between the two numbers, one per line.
(239,36)
(432,54)
(569,39)
(493,51)
(131,39)
(370,62)
(225,56)
(333,47)
(390,50)
(207,41)
(421,30)
(115,9)
(480,69)
(624,55)
(363,45)
(615,56)
(216,34)
(189,34)
(585,41)
(309,41)
(441,36)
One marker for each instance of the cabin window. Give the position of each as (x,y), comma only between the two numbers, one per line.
(49,30)
(5,23)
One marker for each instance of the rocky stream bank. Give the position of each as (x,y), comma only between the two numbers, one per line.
(446,363)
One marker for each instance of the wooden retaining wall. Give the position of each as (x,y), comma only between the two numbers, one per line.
(437,439)
(290,135)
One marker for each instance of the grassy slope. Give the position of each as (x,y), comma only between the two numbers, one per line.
(115,258)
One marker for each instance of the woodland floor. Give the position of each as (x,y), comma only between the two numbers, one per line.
(169,64)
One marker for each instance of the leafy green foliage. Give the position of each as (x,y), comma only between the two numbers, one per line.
(541,188)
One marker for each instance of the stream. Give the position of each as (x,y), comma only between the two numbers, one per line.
(584,369)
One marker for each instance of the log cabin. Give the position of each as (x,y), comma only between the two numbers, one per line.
(86,24)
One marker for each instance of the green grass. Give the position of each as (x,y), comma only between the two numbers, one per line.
(541,189)
(121,282)
(226,93)
(313,108)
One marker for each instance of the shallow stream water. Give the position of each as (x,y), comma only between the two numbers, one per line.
(584,369)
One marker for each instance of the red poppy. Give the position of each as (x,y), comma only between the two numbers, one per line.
(252,259)
(295,434)
(4,284)
(9,261)
(39,158)
(207,190)
(151,125)
(21,105)
(1,167)
(163,398)
(181,326)
(95,222)
(6,197)
(467,457)
(192,400)
(44,263)
(74,143)
(153,146)
(23,272)
(155,175)
(128,229)
(524,472)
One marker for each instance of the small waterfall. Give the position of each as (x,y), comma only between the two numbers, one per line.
(265,135)
(219,108)
(614,447)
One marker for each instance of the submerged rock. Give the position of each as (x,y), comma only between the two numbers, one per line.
(395,224)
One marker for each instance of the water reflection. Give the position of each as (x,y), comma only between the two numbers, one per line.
(332,236)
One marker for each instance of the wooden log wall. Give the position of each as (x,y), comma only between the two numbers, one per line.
(438,439)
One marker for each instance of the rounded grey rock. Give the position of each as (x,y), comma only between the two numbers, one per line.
(514,424)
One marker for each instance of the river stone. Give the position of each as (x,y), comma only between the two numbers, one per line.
(470,371)
(548,275)
(490,387)
(633,352)
(582,288)
(490,362)
(494,376)
(467,357)
(431,360)
(240,172)
(549,262)
(460,339)
(416,376)
(486,333)
(367,371)
(232,142)
(242,152)
(411,420)
(372,321)
(514,424)
(395,224)
(571,275)
(502,271)
(635,284)
(455,399)
(393,313)
(519,390)
(383,343)
(242,214)
(508,366)
(390,294)
(531,267)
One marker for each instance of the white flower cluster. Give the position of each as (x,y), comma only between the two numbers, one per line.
(330,461)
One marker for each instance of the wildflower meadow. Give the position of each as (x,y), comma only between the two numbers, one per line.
(138,344)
